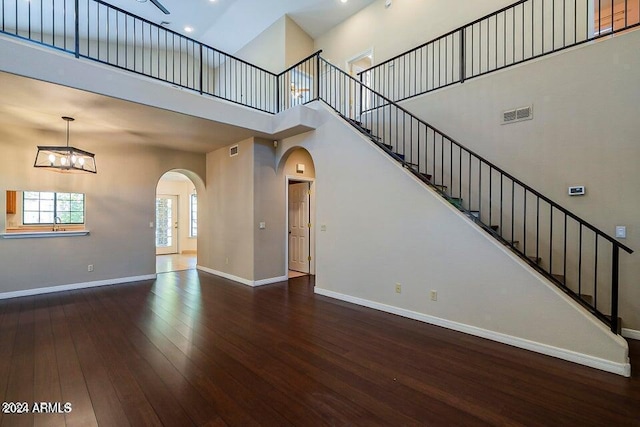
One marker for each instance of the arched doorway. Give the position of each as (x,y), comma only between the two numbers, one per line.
(299,172)
(176,234)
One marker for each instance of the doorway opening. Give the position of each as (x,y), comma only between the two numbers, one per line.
(360,101)
(299,172)
(299,204)
(176,224)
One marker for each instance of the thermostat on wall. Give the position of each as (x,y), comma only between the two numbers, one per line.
(577,190)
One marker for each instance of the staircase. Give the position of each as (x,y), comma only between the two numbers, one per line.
(574,255)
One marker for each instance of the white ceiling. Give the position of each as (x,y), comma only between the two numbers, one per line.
(229,25)
(31,110)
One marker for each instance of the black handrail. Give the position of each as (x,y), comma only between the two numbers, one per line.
(297,85)
(301,62)
(476,187)
(514,34)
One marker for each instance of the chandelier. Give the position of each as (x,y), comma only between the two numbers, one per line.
(65,158)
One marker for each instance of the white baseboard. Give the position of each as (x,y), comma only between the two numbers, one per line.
(270,281)
(631,333)
(623,369)
(252,283)
(60,288)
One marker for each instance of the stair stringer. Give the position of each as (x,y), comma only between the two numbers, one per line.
(383,226)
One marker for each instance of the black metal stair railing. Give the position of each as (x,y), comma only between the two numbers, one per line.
(576,256)
(98,31)
(523,31)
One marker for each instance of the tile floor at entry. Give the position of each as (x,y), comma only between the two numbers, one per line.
(180,262)
(175,262)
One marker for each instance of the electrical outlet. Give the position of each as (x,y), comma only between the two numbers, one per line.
(90,267)
(434,295)
(398,288)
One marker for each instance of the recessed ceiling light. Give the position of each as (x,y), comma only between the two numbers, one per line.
(141,1)
(188,29)
(343,1)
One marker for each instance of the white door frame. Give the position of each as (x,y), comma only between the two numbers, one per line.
(175,219)
(312,214)
(359,56)
(348,66)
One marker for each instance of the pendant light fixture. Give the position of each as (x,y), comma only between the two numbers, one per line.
(65,158)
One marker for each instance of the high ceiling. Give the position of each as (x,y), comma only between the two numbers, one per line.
(229,25)
(31,107)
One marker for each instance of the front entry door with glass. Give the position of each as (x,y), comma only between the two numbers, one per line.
(166,225)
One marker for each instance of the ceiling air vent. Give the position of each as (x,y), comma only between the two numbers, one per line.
(517,115)
(233,151)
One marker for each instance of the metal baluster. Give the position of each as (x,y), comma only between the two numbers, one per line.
(564,249)
(553,25)
(513,203)
(77,28)
(550,239)
(580,260)
(537,227)
(462,55)
(524,226)
(469,188)
(614,287)
(490,194)
(501,202)
(595,275)
(480,186)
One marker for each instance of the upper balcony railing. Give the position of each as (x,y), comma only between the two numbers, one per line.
(525,30)
(98,31)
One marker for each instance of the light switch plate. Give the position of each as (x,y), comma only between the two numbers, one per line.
(621,231)
(263,225)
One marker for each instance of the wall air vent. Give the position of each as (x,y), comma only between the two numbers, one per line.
(523,113)
(517,115)
(233,151)
(508,116)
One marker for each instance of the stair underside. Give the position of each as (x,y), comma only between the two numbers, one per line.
(586,300)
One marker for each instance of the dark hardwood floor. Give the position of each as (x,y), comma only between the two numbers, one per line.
(194,349)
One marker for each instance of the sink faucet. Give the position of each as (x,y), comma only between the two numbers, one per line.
(56,222)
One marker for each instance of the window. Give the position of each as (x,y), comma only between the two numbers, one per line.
(193,229)
(45,207)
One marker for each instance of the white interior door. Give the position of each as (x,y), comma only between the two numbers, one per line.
(299,227)
(166,225)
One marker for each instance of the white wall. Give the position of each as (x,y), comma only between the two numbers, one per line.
(377,236)
(298,44)
(403,26)
(230,189)
(267,50)
(268,205)
(585,111)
